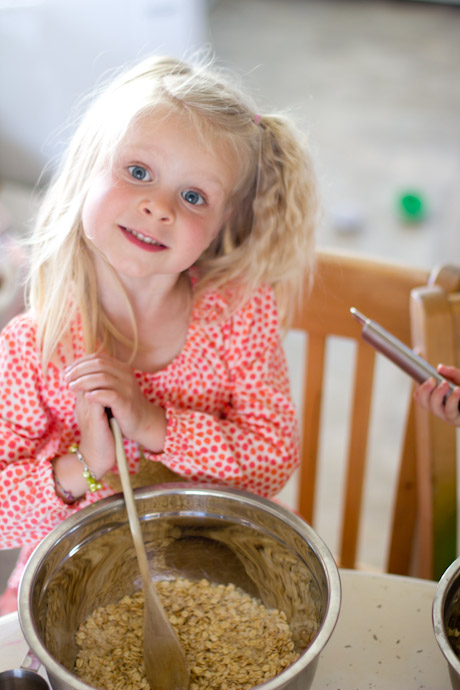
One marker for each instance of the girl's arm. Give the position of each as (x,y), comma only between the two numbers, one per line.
(431,396)
(32,437)
(253,443)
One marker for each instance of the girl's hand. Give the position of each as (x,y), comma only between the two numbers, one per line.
(432,396)
(96,445)
(96,440)
(107,382)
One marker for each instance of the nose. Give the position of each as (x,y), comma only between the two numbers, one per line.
(159,206)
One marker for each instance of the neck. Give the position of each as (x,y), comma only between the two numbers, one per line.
(146,298)
(161,312)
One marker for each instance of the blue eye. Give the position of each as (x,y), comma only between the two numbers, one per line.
(192,197)
(139,173)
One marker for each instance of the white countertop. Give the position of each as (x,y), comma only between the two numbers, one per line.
(384,637)
(383,640)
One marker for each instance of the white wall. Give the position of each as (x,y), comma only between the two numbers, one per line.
(54,51)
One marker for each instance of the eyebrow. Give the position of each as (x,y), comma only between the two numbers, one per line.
(137,151)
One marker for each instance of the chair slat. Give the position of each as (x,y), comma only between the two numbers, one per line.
(356,460)
(404,516)
(311,424)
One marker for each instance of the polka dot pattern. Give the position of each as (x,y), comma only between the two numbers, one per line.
(230,415)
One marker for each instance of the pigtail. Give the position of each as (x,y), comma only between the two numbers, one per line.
(285,210)
(269,237)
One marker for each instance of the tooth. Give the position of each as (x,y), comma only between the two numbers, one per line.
(143,238)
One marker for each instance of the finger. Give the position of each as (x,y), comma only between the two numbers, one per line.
(91,364)
(96,381)
(108,398)
(89,408)
(96,374)
(438,398)
(85,359)
(449,372)
(451,406)
(422,393)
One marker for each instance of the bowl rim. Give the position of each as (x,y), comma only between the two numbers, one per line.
(294,521)
(439,601)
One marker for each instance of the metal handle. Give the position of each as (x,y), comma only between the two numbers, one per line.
(396,351)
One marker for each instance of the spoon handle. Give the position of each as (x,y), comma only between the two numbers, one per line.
(165,664)
(130,504)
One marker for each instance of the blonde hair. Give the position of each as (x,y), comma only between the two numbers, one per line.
(268,239)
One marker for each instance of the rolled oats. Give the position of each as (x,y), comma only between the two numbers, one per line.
(231,640)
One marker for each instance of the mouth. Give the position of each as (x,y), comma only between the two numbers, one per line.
(139,238)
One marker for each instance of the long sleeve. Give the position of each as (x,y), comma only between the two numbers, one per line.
(246,433)
(36,424)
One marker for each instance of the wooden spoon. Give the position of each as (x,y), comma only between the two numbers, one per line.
(164,659)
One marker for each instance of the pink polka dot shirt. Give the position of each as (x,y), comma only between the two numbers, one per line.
(230,417)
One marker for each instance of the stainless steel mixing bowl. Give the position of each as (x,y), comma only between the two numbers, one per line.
(446,614)
(194,531)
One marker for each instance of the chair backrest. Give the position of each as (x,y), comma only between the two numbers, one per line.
(380,290)
(435,316)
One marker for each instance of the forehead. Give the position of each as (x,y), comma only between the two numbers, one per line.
(192,139)
(167,126)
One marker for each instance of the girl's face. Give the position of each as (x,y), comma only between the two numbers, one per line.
(163,202)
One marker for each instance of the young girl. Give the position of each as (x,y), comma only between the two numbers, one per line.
(167,253)
(431,395)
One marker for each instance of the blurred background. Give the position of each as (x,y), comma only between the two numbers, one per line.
(374,84)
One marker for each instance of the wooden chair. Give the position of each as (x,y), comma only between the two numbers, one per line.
(435,315)
(380,290)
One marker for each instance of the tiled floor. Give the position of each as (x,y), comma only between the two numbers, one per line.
(377,87)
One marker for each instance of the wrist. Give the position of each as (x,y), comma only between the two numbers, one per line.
(65,495)
(153,434)
(70,477)
(93,484)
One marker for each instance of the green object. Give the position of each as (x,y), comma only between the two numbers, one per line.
(412,206)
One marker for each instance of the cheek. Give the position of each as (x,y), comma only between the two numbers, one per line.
(217,223)
(95,208)
(210,235)
(87,218)
(225,217)
(200,232)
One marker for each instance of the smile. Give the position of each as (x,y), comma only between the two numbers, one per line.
(142,238)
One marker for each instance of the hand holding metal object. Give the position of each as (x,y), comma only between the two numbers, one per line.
(396,351)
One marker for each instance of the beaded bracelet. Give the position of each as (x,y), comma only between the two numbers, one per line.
(93,483)
(63,494)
